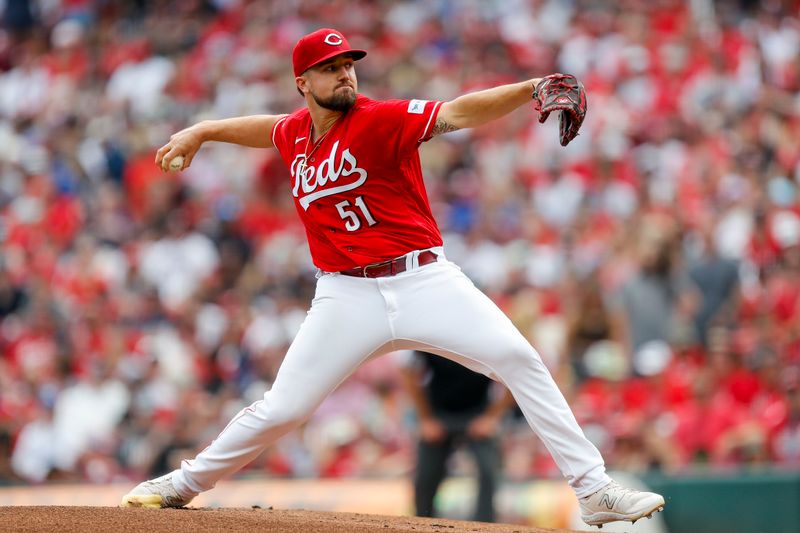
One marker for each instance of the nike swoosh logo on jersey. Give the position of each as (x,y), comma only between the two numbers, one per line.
(298,140)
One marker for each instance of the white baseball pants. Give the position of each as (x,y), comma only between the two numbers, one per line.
(434,308)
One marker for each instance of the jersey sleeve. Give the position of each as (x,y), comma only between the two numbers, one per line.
(410,122)
(278,133)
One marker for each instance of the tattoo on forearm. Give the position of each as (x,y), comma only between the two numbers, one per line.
(440,127)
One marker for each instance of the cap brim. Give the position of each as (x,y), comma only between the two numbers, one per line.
(357,54)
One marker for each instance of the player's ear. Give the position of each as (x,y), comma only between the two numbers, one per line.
(302,88)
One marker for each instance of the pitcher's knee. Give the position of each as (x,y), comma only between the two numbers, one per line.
(520,356)
(283,413)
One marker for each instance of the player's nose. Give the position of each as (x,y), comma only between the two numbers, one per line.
(344,73)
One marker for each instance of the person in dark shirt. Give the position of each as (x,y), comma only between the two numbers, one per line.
(717,282)
(12,297)
(455,407)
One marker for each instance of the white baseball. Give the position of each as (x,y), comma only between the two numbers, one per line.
(176,163)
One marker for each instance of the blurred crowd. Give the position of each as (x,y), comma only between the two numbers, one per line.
(654,262)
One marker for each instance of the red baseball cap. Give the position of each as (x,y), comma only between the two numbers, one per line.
(320,46)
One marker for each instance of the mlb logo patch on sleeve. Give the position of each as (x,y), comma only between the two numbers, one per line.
(417,107)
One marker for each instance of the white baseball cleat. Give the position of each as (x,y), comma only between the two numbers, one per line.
(615,502)
(154,494)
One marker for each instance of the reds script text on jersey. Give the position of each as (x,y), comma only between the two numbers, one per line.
(359,188)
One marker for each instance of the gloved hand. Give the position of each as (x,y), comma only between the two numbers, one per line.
(563,93)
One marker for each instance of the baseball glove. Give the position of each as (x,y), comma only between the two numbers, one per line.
(563,93)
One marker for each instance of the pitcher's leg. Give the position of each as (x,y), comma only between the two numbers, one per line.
(346,324)
(447,315)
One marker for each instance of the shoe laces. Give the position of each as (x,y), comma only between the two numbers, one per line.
(620,489)
(164,484)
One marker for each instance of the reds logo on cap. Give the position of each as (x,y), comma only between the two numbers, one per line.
(320,46)
(333,39)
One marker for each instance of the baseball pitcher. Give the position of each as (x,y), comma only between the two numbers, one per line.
(384,282)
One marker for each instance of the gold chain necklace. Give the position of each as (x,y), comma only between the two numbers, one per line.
(318,142)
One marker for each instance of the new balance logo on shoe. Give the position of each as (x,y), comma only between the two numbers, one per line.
(609,501)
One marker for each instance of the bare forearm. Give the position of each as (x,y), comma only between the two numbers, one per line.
(254,131)
(481,107)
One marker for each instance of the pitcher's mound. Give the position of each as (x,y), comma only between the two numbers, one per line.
(80,519)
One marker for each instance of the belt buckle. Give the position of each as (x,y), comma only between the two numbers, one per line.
(373,265)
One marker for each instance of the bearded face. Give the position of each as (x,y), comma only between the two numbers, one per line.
(342,99)
(333,84)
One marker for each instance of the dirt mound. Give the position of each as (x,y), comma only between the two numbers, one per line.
(69,519)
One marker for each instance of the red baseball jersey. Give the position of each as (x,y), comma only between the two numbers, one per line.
(359,188)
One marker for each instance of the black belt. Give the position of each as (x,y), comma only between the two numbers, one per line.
(388,268)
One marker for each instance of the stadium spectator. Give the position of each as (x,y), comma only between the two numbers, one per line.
(717,281)
(186,286)
(657,302)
